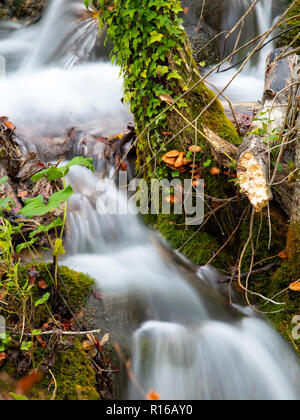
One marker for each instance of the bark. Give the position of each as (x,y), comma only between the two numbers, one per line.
(253,161)
(293,245)
(295,219)
(224,152)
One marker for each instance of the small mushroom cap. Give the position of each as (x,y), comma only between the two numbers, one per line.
(172,154)
(196,183)
(195,149)
(194,166)
(173,199)
(196,177)
(179,161)
(167,160)
(215,171)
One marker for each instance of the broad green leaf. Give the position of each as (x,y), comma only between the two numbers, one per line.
(45,229)
(43,300)
(17,397)
(25,346)
(53,172)
(36,206)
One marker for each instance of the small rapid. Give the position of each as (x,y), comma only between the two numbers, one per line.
(190,344)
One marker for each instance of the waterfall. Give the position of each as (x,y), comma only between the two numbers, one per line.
(258,22)
(51,84)
(187,344)
(249,85)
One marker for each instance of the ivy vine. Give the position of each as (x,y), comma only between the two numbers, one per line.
(147,36)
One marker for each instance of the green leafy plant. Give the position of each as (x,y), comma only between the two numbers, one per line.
(147,53)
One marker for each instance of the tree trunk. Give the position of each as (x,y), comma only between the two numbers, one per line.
(294,231)
(253,163)
(157,62)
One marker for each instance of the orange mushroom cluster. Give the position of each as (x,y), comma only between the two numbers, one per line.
(178,162)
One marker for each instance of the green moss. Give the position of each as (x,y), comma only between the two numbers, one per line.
(72,369)
(282,321)
(74,287)
(287,38)
(74,375)
(196,245)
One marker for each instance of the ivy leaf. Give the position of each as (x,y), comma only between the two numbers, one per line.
(26,346)
(155,37)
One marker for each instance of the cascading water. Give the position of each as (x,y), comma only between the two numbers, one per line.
(190,346)
(248,86)
(44,92)
(187,343)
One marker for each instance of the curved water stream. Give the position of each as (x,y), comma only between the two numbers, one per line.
(187,343)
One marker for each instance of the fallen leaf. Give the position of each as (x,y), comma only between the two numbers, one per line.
(186,10)
(25,385)
(41,342)
(2,358)
(295,287)
(42,284)
(10,126)
(283,255)
(104,340)
(166,98)
(154,396)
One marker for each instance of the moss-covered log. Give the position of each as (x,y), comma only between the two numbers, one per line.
(157,62)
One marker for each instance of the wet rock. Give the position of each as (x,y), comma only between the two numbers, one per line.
(202,31)
(22,9)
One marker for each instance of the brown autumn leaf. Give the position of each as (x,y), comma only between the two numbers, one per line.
(283,255)
(295,287)
(42,284)
(153,396)
(2,358)
(25,385)
(104,340)
(9,125)
(41,342)
(186,10)
(165,97)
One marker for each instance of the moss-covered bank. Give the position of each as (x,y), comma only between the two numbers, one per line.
(62,361)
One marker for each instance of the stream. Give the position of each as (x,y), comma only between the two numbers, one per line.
(186,342)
